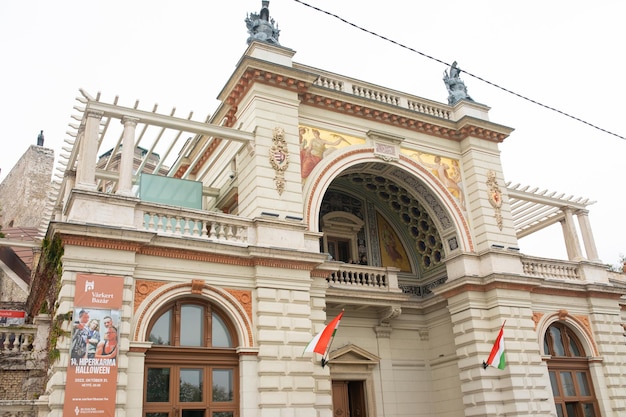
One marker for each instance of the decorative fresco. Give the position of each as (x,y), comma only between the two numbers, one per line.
(392,252)
(446,170)
(316,144)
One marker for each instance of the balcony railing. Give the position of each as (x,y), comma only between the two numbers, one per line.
(194,223)
(551,269)
(363,277)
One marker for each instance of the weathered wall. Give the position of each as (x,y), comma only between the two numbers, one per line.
(24,191)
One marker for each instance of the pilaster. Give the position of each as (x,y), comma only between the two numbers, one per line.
(488,204)
(521,389)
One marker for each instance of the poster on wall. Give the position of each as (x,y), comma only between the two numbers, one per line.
(94,345)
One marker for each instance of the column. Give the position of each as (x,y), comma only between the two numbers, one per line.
(86,170)
(588,240)
(571,237)
(125,180)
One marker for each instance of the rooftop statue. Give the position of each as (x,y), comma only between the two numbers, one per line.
(456,87)
(261,26)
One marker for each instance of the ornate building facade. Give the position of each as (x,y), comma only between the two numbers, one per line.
(305,194)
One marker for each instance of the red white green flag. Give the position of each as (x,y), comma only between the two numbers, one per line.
(496,357)
(322,340)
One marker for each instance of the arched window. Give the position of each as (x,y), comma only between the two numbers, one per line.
(191,370)
(569,373)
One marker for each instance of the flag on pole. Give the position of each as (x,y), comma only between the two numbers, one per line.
(496,357)
(323,339)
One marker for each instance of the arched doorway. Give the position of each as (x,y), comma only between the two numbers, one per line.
(192,368)
(570,376)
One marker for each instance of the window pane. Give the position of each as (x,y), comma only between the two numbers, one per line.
(157,415)
(559,410)
(557,341)
(223,414)
(219,333)
(193,413)
(158,385)
(567,382)
(588,410)
(191,325)
(571,409)
(573,348)
(191,385)
(222,385)
(581,377)
(555,385)
(160,333)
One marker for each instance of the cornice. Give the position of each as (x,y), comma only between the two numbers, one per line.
(531,285)
(253,258)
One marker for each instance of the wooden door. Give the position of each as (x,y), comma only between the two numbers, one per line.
(341,404)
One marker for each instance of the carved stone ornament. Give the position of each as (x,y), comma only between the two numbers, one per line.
(279,158)
(495,196)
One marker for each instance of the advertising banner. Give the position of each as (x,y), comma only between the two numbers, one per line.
(92,371)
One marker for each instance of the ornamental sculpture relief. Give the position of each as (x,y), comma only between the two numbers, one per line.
(279,158)
(495,196)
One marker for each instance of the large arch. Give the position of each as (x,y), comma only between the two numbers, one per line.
(226,301)
(446,213)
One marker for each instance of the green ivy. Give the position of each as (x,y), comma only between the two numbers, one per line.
(51,270)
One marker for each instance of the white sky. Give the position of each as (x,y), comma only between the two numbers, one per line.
(566,54)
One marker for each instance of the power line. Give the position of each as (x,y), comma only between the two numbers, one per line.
(523,97)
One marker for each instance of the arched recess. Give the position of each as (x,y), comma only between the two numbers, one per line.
(235,309)
(441,206)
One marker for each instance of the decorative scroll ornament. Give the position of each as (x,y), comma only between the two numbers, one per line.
(279,158)
(495,196)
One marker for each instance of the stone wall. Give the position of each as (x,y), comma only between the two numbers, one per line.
(24,191)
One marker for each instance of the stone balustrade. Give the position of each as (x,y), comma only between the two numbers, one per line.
(363,277)
(551,269)
(17,339)
(412,103)
(194,223)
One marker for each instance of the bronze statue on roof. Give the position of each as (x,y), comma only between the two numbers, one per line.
(456,87)
(261,27)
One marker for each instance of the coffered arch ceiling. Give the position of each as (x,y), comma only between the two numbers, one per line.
(415,215)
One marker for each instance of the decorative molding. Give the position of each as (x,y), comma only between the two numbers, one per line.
(495,196)
(424,334)
(537,318)
(279,158)
(196,286)
(143,288)
(244,298)
(388,314)
(383,332)
(386,146)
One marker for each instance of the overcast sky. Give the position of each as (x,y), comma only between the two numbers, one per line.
(568,55)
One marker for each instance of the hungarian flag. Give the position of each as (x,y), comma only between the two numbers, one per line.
(496,357)
(322,340)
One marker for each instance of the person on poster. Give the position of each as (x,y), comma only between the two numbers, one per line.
(93,338)
(78,348)
(107,348)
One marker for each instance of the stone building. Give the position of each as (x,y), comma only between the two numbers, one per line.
(28,181)
(207,283)
(23,198)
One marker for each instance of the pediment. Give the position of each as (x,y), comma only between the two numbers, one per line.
(353,355)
